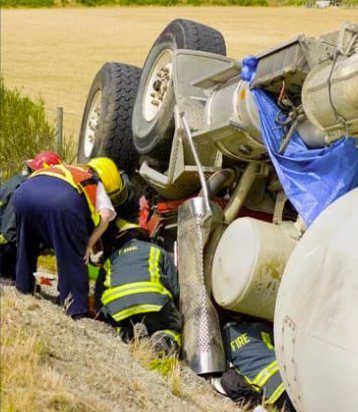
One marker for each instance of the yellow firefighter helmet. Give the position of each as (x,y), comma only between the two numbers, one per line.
(107,171)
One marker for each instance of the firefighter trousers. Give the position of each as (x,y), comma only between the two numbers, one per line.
(51,212)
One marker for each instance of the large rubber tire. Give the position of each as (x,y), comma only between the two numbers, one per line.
(153,124)
(106,128)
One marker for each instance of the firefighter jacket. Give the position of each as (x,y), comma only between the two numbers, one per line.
(80,178)
(140,277)
(8,221)
(249,347)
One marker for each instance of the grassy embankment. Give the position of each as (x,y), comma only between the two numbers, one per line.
(25,132)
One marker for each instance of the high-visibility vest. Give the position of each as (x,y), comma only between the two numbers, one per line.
(140,278)
(249,347)
(79,177)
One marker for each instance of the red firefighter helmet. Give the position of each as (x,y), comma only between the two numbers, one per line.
(43,160)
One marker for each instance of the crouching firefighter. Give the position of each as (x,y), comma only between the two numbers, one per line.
(68,208)
(254,376)
(137,289)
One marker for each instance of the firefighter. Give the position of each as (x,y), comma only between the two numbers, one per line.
(67,207)
(138,287)
(8,225)
(254,374)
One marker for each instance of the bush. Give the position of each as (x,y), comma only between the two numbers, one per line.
(96,3)
(248,3)
(27,3)
(149,2)
(24,130)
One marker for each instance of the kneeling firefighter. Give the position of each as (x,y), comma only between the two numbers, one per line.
(254,375)
(67,207)
(138,286)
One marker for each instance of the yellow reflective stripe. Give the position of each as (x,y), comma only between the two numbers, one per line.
(134,310)
(96,217)
(1,203)
(154,256)
(276,394)
(3,240)
(175,336)
(107,267)
(247,379)
(265,374)
(69,178)
(131,289)
(266,338)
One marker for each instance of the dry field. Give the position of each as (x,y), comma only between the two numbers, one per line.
(55,53)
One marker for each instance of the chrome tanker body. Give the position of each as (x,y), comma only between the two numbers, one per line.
(255,165)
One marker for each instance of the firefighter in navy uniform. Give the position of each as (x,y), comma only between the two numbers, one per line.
(8,222)
(249,349)
(67,207)
(138,285)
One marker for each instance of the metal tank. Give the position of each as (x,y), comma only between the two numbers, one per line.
(248,264)
(330,97)
(316,313)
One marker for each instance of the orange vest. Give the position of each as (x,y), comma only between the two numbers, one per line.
(78,177)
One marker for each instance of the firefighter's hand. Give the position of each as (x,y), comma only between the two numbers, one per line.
(86,257)
(96,257)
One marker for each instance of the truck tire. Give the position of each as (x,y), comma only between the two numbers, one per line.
(153,113)
(106,128)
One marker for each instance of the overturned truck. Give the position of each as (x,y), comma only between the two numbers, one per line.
(250,169)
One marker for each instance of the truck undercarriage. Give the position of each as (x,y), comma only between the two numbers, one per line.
(238,159)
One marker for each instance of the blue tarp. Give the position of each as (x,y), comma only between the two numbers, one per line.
(311,178)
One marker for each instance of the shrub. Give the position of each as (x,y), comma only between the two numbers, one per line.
(149,2)
(24,130)
(194,2)
(27,3)
(248,2)
(96,3)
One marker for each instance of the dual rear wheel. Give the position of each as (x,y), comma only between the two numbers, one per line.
(129,112)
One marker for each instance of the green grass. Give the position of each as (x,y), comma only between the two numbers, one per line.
(24,130)
(98,3)
(27,3)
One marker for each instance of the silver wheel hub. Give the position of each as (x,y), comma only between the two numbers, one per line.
(158,84)
(93,121)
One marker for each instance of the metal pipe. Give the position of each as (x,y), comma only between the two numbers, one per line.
(204,187)
(217,181)
(240,193)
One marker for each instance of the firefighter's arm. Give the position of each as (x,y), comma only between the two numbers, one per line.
(172,275)
(106,217)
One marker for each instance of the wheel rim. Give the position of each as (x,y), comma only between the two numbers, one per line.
(92,123)
(158,84)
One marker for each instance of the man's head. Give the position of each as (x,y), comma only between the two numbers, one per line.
(43,160)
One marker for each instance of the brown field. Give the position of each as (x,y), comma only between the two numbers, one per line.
(55,53)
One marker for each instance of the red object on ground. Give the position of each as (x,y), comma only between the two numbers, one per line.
(45,281)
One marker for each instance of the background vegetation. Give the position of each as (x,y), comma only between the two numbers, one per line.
(25,132)
(96,3)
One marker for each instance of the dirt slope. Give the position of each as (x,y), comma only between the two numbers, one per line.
(99,369)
